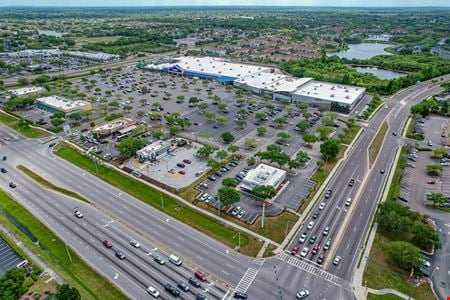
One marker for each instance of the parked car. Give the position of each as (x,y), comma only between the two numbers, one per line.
(294,250)
(302,238)
(402,198)
(186,161)
(182,172)
(240,295)
(302,294)
(3,170)
(181,165)
(304,252)
(431,181)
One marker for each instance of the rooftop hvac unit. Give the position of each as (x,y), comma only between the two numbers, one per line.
(332,96)
(220,72)
(346,91)
(347,97)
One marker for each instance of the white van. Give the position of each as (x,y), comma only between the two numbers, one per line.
(348,202)
(175,260)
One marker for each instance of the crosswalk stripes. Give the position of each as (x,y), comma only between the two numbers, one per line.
(246,280)
(258,261)
(303,265)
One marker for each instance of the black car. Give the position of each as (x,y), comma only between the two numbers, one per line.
(218,174)
(194,281)
(394,133)
(315,215)
(51,145)
(312,239)
(328,194)
(120,255)
(403,198)
(201,297)
(5,157)
(159,260)
(181,165)
(239,295)
(12,185)
(171,289)
(3,170)
(320,259)
(182,285)
(351,182)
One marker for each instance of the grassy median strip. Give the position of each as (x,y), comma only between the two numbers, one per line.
(44,182)
(161,201)
(383,297)
(26,130)
(54,252)
(377,142)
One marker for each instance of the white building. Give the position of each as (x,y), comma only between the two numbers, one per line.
(114,126)
(263,175)
(48,53)
(153,151)
(27,91)
(263,80)
(59,104)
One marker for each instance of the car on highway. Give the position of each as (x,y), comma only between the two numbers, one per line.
(159,260)
(302,238)
(135,243)
(351,182)
(320,259)
(3,170)
(322,205)
(107,244)
(394,133)
(183,286)
(152,291)
(326,231)
(200,275)
(120,255)
(240,295)
(315,215)
(200,297)
(327,245)
(310,225)
(304,252)
(348,201)
(328,194)
(337,260)
(382,171)
(172,290)
(315,249)
(78,214)
(302,294)
(194,281)
(12,185)
(175,260)
(294,250)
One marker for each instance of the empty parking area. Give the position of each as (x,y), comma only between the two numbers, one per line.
(8,257)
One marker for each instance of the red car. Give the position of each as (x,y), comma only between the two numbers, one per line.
(182,172)
(107,244)
(315,249)
(294,250)
(186,161)
(431,182)
(200,275)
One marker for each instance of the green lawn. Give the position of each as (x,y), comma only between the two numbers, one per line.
(383,297)
(377,142)
(394,188)
(27,131)
(269,251)
(147,194)
(41,180)
(275,227)
(53,252)
(381,273)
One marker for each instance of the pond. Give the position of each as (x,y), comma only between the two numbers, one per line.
(380,73)
(362,51)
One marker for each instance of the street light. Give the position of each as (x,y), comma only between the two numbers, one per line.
(239,239)
(432,273)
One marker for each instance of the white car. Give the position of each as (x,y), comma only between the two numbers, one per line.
(348,201)
(152,291)
(426,263)
(78,214)
(135,243)
(304,252)
(310,225)
(302,294)
(204,196)
(302,238)
(322,205)
(337,260)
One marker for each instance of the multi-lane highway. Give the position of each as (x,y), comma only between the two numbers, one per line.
(119,217)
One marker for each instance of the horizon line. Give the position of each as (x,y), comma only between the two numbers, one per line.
(224,5)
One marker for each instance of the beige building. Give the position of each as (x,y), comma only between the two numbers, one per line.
(113,127)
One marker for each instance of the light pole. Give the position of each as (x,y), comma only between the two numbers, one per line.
(239,239)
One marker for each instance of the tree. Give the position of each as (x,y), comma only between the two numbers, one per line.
(280,121)
(128,147)
(228,195)
(404,254)
(283,135)
(66,292)
(330,149)
(203,106)
(210,116)
(250,143)
(302,157)
(309,138)
(302,106)
(229,182)
(425,237)
(327,121)
(292,164)
(264,191)
(322,108)
(180,99)
(303,125)
(320,163)
(261,130)
(40,80)
(324,132)
(213,164)
(307,115)
(221,120)
(439,153)
(251,161)
(12,283)
(227,137)
(437,198)
(241,123)
(158,134)
(174,129)
(22,81)
(233,148)
(221,154)
(434,169)
(57,122)
(205,151)
(260,116)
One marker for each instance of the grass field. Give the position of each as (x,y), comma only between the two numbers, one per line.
(269,251)
(27,131)
(44,182)
(53,252)
(383,297)
(381,273)
(147,194)
(377,142)
(394,188)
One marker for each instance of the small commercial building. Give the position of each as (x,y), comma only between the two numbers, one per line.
(112,127)
(263,175)
(27,91)
(55,104)
(153,151)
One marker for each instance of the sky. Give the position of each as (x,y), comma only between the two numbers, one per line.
(342,3)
